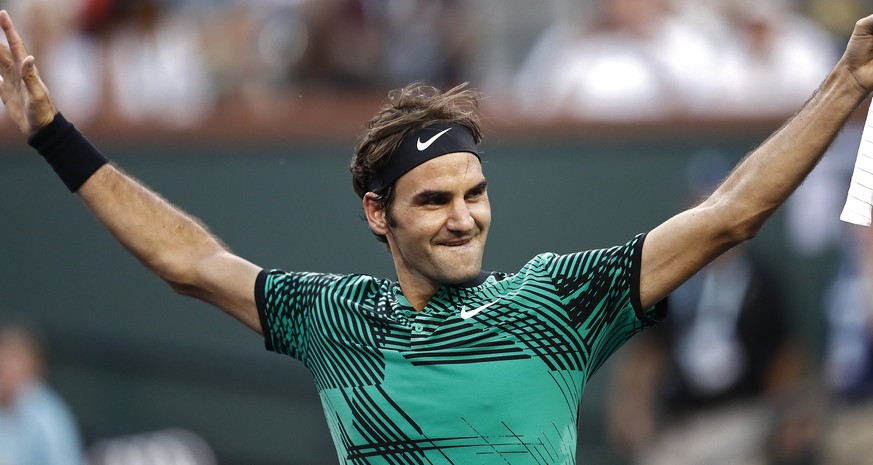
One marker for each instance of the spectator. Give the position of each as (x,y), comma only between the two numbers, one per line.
(848,361)
(636,60)
(36,426)
(697,389)
(770,52)
(426,40)
(149,57)
(156,68)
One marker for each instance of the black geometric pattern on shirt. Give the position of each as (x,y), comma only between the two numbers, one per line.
(384,437)
(347,351)
(544,327)
(530,321)
(286,292)
(591,284)
(383,433)
(557,319)
(586,281)
(451,340)
(525,319)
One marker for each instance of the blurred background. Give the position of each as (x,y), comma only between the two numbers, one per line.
(617,113)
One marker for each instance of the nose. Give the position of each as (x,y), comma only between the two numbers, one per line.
(460,217)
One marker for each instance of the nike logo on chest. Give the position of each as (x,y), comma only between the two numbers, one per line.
(467,314)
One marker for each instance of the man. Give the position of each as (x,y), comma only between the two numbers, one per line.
(445,364)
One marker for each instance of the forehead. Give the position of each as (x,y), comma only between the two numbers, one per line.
(448,171)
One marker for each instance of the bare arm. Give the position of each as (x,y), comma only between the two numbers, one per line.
(172,244)
(167,241)
(735,212)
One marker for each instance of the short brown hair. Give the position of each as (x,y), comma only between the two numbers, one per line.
(413,107)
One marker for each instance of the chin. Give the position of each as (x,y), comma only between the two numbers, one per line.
(463,274)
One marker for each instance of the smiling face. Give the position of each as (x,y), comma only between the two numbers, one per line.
(438,223)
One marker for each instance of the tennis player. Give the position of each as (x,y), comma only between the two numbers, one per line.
(444,364)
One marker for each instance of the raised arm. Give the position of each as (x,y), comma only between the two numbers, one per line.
(167,241)
(735,212)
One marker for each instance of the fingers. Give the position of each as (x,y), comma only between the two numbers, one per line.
(16,46)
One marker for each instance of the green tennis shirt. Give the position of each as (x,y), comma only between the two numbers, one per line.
(490,373)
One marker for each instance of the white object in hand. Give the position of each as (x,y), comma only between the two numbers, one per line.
(859,202)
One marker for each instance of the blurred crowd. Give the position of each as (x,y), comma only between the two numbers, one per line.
(175,62)
(631,59)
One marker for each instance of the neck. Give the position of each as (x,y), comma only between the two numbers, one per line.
(417,290)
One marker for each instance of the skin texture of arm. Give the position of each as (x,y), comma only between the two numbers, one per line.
(735,212)
(170,243)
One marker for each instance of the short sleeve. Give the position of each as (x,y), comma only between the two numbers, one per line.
(600,291)
(285,301)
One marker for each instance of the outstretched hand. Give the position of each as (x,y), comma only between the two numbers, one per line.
(26,97)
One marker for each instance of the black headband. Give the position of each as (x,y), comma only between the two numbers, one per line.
(422,145)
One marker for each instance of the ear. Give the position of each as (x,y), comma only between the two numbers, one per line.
(376,214)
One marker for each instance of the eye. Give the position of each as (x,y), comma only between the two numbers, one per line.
(473,195)
(432,199)
(477,191)
(435,201)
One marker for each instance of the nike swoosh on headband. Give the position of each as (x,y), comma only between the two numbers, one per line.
(414,151)
(422,146)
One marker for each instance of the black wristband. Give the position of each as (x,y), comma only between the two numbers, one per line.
(69,153)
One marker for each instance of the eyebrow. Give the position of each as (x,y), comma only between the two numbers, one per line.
(429,196)
(478,188)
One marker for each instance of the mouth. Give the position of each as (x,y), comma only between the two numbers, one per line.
(457,242)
